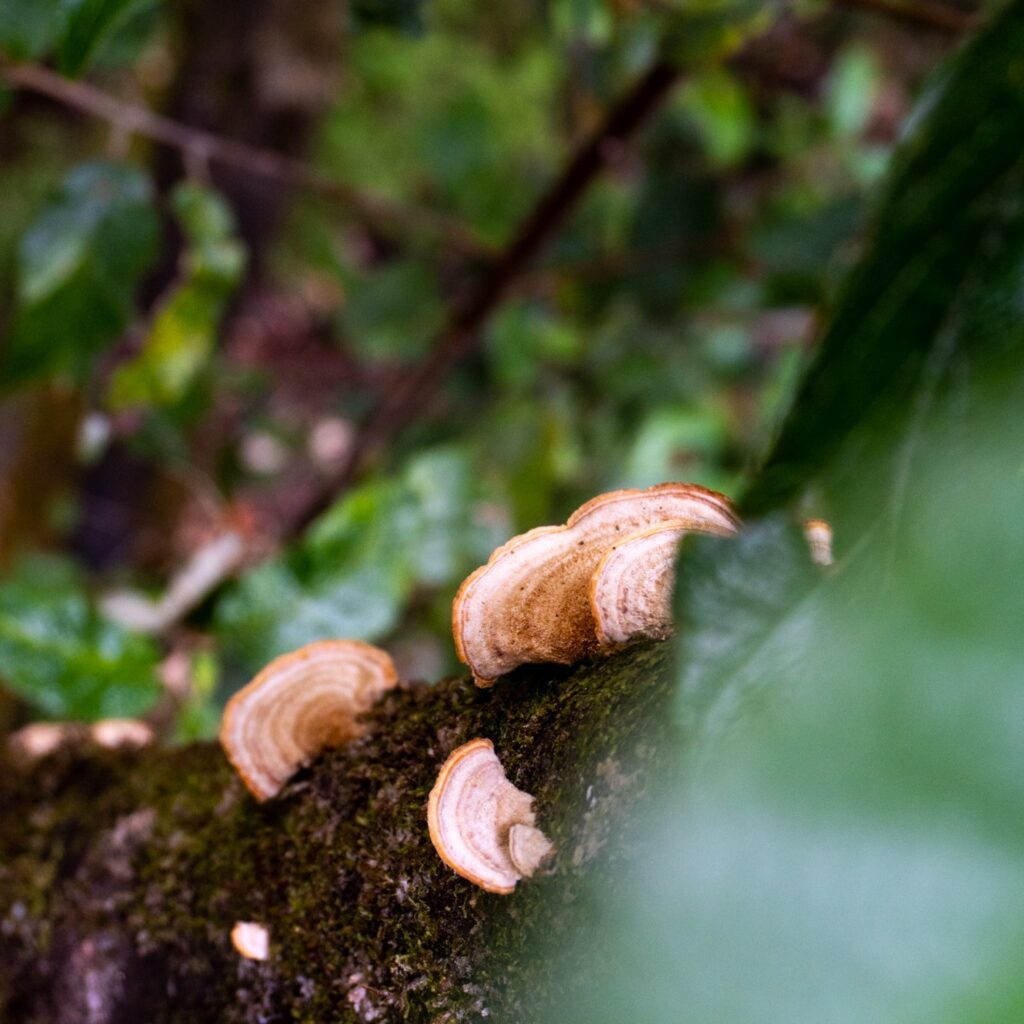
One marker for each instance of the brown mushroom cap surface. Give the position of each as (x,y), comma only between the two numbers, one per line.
(299,705)
(631,589)
(531,601)
(471,812)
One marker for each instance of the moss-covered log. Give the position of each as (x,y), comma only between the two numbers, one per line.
(122,875)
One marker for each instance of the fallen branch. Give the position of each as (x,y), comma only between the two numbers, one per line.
(943,17)
(122,875)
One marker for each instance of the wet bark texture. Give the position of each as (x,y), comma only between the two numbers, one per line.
(122,875)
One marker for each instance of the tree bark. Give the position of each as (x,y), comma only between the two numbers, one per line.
(121,875)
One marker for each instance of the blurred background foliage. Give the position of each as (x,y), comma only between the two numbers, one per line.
(810,260)
(191,346)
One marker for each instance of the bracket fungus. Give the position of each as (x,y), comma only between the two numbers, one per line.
(631,589)
(299,705)
(251,940)
(480,824)
(531,601)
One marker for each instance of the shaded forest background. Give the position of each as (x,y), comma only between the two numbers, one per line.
(211,346)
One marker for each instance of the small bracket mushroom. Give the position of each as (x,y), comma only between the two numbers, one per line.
(252,940)
(480,824)
(299,705)
(631,589)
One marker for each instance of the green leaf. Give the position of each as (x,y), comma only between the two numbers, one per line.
(184,328)
(78,268)
(61,656)
(89,23)
(29,28)
(354,573)
(737,600)
(950,220)
(845,842)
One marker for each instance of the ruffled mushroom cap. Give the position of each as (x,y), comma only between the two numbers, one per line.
(530,602)
(252,940)
(299,705)
(631,589)
(480,824)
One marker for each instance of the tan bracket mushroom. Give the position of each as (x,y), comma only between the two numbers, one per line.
(251,939)
(531,601)
(299,705)
(480,824)
(631,589)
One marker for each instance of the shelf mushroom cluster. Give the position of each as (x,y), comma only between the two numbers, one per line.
(554,594)
(560,593)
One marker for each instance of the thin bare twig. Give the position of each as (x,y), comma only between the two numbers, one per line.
(470,310)
(203,147)
(940,16)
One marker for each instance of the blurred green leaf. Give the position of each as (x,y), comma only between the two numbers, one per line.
(851,91)
(676,443)
(78,267)
(392,311)
(950,221)
(184,328)
(844,841)
(28,28)
(720,107)
(88,25)
(59,654)
(355,571)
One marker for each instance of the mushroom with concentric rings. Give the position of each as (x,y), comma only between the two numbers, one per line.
(481,825)
(631,589)
(299,705)
(531,601)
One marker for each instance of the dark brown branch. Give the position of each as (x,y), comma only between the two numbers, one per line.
(920,12)
(471,309)
(206,147)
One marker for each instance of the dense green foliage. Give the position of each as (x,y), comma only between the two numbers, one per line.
(659,337)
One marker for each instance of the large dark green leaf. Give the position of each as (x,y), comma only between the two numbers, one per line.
(181,337)
(88,25)
(951,220)
(845,843)
(28,28)
(78,268)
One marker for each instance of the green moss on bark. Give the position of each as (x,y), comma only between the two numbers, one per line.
(121,877)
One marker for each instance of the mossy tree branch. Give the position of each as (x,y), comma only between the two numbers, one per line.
(121,876)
